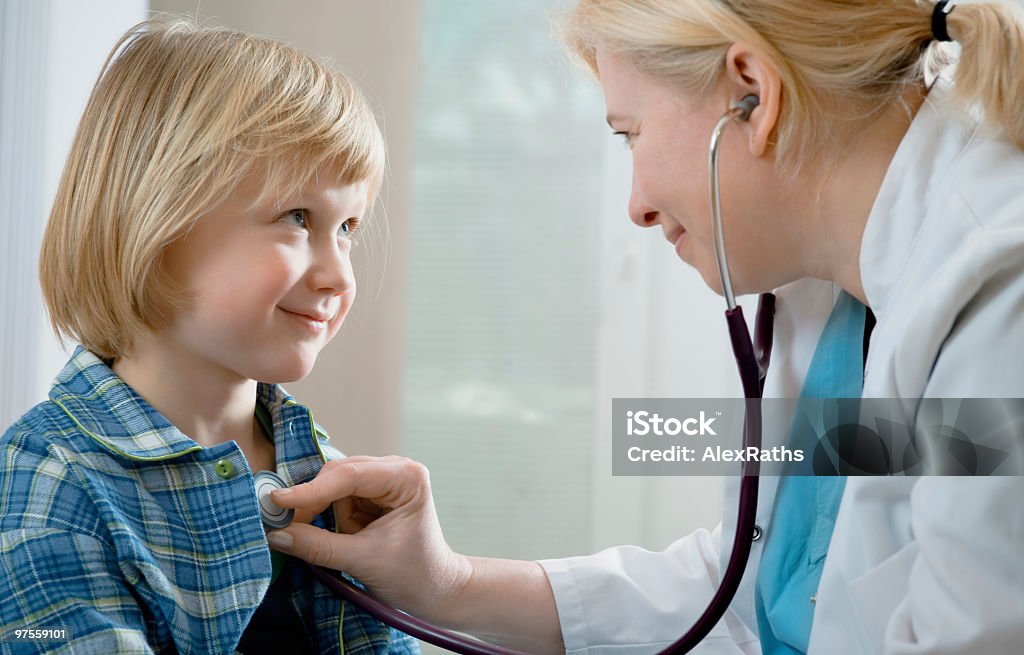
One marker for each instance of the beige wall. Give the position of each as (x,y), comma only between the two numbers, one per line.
(354,391)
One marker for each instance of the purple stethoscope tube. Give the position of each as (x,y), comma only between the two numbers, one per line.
(752,358)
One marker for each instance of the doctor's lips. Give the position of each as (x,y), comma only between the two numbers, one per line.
(672,235)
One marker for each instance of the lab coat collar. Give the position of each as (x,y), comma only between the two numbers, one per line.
(110,412)
(936,137)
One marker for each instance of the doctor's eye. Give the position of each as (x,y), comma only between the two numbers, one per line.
(349,227)
(296,217)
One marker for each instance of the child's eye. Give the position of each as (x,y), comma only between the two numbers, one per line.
(295,217)
(626,136)
(349,227)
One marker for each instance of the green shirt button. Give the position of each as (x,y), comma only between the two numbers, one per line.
(224,468)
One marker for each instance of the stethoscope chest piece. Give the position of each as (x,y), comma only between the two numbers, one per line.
(274,516)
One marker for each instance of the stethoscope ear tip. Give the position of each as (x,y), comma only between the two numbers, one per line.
(747,105)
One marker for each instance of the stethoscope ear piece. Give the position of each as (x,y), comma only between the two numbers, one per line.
(746,106)
(273,515)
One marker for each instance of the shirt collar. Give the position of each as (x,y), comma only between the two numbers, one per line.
(915,177)
(110,412)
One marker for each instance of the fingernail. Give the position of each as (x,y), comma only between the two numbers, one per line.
(281,493)
(280,539)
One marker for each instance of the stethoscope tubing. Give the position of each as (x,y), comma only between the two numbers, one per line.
(717,232)
(740,112)
(752,360)
(407,623)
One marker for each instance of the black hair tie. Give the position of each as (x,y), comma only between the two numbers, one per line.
(939,13)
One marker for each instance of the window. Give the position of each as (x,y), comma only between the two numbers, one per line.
(504,279)
(534,301)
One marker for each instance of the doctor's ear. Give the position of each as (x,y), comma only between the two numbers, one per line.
(746,73)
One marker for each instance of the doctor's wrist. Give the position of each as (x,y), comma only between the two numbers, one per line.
(446,606)
(507,602)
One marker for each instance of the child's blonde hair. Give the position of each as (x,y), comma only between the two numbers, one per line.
(179,116)
(836,58)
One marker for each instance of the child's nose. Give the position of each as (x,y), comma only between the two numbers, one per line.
(332,269)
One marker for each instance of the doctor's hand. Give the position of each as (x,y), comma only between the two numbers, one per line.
(392,541)
(393,545)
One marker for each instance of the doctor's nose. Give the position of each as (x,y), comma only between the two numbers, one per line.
(640,212)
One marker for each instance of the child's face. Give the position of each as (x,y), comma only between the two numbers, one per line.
(270,284)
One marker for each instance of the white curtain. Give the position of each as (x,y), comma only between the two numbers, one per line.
(52,51)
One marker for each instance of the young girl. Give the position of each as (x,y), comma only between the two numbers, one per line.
(199,243)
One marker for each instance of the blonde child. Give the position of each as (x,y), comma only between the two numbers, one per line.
(198,250)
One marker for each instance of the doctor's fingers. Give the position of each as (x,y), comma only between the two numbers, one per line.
(354,513)
(390,482)
(320,547)
(403,560)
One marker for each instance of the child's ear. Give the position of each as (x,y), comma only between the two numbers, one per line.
(749,73)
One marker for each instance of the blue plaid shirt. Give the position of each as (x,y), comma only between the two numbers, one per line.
(134,538)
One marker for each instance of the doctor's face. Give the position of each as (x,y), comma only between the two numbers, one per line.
(270,283)
(668,134)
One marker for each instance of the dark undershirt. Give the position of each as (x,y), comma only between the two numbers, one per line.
(869,326)
(275,627)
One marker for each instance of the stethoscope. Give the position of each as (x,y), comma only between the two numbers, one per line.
(752,359)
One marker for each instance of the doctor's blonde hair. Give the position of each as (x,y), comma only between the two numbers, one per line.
(837,58)
(179,116)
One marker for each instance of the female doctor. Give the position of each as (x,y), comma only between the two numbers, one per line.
(864,192)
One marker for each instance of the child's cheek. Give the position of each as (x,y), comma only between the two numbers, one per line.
(346,304)
(259,290)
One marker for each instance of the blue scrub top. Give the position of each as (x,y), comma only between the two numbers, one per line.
(806,505)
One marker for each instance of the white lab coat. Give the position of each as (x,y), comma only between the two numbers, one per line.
(916,565)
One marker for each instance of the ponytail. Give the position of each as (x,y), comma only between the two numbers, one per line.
(990,73)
